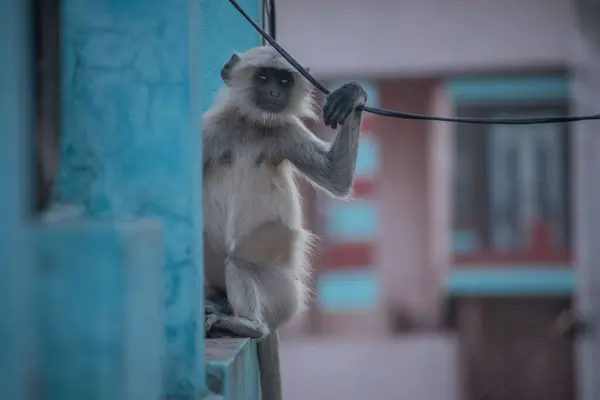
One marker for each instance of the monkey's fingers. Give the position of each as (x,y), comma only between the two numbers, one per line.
(342,112)
(210,309)
(327,112)
(331,105)
(209,321)
(335,118)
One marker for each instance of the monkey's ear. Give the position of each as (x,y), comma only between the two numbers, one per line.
(226,70)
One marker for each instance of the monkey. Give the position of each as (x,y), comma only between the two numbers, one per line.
(257,252)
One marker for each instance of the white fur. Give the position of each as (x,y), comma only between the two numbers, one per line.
(237,95)
(239,197)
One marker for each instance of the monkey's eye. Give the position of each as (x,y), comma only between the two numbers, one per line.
(261,78)
(285,82)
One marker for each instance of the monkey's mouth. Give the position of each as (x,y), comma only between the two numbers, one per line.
(270,105)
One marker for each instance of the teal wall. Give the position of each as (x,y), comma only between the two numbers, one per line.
(100,320)
(16,282)
(131,146)
(514,281)
(137,76)
(352,221)
(353,289)
(487,89)
(226,31)
(367,160)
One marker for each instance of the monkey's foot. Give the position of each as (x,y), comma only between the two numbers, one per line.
(236,326)
(213,307)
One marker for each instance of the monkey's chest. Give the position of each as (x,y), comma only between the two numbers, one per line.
(239,196)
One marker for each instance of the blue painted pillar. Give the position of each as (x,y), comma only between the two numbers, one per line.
(16,283)
(131,145)
(137,76)
(225,31)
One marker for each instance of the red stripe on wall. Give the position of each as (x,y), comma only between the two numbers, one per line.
(533,256)
(363,187)
(368,123)
(351,255)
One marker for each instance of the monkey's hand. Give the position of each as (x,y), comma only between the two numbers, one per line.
(341,102)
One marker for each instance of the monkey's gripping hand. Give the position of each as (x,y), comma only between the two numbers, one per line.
(341,102)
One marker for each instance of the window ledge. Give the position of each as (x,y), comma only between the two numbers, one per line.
(510,282)
(232,369)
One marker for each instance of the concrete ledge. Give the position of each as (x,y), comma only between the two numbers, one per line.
(100,301)
(232,368)
(212,396)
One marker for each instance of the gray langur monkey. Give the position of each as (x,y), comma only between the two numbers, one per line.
(256,249)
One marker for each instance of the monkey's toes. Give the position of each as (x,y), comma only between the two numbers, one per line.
(209,321)
(210,309)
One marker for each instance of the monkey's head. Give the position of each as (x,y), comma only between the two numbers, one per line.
(266,88)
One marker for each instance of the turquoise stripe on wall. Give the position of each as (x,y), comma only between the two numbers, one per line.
(17,269)
(352,221)
(510,282)
(348,291)
(510,88)
(367,162)
(131,146)
(464,241)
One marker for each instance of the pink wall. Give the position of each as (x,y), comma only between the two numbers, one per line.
(405,263)
(439,180)
(352,369)
(346,38)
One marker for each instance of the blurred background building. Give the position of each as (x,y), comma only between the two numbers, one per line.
(457,254)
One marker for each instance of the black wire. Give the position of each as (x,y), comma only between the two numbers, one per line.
(272,20)
(399,114)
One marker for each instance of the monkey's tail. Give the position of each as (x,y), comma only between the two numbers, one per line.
(268,363)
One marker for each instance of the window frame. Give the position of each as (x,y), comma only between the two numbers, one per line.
(531,93)
(268,19)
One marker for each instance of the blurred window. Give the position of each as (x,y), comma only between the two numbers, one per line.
(511,185)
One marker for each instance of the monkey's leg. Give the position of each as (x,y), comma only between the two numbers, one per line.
(245,299)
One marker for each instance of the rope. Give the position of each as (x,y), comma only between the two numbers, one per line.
(404,115)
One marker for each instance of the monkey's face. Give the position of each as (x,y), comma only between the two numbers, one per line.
(272,89)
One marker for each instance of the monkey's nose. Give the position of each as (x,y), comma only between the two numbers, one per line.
(274,93)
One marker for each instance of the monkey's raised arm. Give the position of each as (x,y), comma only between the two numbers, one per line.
(333,168)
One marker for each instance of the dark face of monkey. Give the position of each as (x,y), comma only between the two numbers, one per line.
(273,88)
